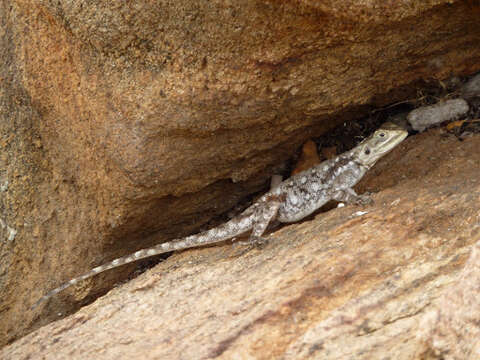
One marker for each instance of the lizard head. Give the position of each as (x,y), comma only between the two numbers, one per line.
(379,143)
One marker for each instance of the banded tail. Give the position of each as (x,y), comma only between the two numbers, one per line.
(225,231)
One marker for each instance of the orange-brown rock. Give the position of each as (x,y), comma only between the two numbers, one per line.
(308,157)
(451,327)
(123,124)
(351,283)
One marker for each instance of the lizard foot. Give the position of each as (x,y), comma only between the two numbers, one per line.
(253,241)
(258,241)
(364,199)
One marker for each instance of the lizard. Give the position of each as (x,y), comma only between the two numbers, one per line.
(286,202)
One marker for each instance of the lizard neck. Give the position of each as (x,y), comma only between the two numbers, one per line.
(358,161)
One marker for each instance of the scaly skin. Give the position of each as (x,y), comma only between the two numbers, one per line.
(289,201)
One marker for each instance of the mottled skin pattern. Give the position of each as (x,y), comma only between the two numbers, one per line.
(288,201)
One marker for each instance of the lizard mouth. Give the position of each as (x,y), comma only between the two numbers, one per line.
(396,139)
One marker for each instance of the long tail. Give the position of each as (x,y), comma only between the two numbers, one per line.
(226,231)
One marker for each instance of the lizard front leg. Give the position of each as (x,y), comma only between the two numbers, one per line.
(275,181)
(350,197)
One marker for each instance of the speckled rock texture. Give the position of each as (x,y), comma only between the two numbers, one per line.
(123,124)
(390,280)
(451,328)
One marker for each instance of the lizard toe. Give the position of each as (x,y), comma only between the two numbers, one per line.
(364,199)
(258,241)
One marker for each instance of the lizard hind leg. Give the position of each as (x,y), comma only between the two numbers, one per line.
(350,197)
(263,216)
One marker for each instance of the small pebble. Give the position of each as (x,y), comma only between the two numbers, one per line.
(427,116)
(11,233)
(4,186)
(360,213)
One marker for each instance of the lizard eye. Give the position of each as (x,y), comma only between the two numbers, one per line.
(367,151)
(382,134)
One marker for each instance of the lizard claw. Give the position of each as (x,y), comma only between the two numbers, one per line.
(252,242)
(364,199)
(258,241)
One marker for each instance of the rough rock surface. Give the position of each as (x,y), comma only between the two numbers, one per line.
(123,124)
(452,328)
(350,283)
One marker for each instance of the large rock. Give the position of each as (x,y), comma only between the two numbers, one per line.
(384,281)
(127,123)
(451,327)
